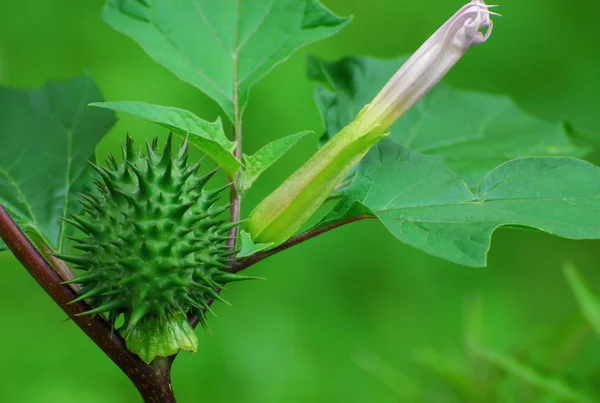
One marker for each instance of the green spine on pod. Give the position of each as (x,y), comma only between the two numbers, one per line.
(154,248)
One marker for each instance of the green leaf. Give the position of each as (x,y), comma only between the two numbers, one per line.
(259,162)
(473,132)
(516,373)
(588,302)
(402,386)
(452,372)
(424,204)
(545,382)
(46,137)
(249,247)
(208,137)
(222,47)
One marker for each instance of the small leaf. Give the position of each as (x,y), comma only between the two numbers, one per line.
(473,132)
(222,47)
(208,137)
(46,137)
(473,322)
(401,385)
(249,247)
(424,204)
(259,162)
(588,302)
(452,372)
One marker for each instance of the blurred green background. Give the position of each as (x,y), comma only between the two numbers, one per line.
(303,335)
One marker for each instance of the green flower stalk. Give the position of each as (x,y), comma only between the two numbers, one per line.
(283,212)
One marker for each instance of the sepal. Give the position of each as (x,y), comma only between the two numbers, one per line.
(155,337)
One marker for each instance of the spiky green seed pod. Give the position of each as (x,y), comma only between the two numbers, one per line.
(154,248)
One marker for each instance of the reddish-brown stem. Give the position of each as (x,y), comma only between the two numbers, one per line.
(239,265)
(243,264)
(152,381)
(59,266)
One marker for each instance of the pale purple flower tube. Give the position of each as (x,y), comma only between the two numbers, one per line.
(429,64)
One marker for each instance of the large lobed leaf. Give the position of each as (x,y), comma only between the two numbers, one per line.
(46,137)
(426,205)
(222,47)
(489,165)
(473,132)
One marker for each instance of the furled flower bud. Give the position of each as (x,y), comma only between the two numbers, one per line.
(283,212)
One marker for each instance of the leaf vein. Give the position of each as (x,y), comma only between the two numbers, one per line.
(209,27)
(255,30)
(69,134)
(21,194)
(188,60)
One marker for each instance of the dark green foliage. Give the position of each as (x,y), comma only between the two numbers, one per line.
(155,244)
(46,137)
